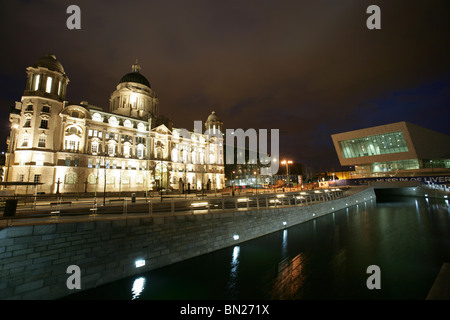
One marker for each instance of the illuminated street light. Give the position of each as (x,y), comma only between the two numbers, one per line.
(287,163)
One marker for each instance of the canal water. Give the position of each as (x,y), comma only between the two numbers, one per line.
(327,258)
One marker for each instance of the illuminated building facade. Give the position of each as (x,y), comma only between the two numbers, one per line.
(82,148)
(396,149)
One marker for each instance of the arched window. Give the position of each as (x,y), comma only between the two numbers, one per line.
(127,123)
(97,117)
(126,149)
(72,138)
(70,178)
(141,126)
(94,147)
(113,121)
(111,148)
(92,179)
(37,79)
(48,87)
(140,151)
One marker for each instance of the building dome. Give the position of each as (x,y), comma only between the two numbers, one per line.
(49,61)
(135,76)
(213,117)
(213,122)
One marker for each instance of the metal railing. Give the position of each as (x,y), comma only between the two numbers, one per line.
(121,208)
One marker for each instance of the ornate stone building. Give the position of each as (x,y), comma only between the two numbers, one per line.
(82,148)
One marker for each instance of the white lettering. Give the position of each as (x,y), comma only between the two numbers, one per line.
(374,21)
(74,21)
(74,281)
(373,282)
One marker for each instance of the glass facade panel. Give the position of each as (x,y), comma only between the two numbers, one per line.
(392,142)
(409,164)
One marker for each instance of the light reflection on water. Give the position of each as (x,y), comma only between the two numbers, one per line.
(232,282)
(138,287)
(325,258)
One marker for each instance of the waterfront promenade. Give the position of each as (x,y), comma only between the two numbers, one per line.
(70,208)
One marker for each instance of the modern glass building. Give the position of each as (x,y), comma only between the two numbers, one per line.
(400,149)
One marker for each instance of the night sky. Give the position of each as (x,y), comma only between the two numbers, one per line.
(308,68)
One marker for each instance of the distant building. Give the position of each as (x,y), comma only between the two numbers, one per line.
(396,149)
(77,147)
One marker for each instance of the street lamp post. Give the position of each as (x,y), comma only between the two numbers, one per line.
(287,163)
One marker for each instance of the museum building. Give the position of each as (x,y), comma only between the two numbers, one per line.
(396,149)
(67,147)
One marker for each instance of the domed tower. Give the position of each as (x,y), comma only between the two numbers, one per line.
(134,96)
(46,78)
(36,122)
(42,101)
(213,123)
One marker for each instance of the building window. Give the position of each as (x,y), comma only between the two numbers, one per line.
(90,161)
(392,142)
(41,143)
(92,179)
(59,87)
(39,160)
(44,124)
(70,178)
(21,177)
(409,164)
(126,150)
(37,178)
(94,147)
(110,179)
(36,82)
(25,142)
(113,121)
(48,87)
(125,180)
(140,151)
(71,145)
(127,123)
(46,109)
(111,149)
(27,123)
(29,107)
(97,117)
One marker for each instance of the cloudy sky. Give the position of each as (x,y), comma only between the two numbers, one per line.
(307,68)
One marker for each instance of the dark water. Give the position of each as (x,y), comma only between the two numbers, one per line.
(408,238)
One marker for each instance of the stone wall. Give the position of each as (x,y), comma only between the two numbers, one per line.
(34,259)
